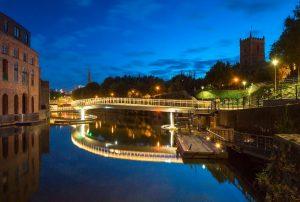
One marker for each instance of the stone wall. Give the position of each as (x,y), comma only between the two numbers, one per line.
(266,120)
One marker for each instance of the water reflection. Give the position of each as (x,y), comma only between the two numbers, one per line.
(20,152)
(72,174)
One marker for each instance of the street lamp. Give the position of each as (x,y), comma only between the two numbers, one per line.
(157,88)
(112,94)
(244,84)
(275,63)
(236,79)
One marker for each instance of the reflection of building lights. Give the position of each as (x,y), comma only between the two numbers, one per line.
(112,130)
(158,144)
(203,166)
(116,142)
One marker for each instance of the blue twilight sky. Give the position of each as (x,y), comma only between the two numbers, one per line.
(158,37)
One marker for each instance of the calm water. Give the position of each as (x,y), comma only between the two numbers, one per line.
(41,163)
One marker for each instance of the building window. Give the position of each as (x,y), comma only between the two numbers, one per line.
(16,32)
(25,38)
(24,76)
(5,26)
(16,72)
(32,77)
(5,49)
(24,57)
(5,70)
(32,61)
(16,53)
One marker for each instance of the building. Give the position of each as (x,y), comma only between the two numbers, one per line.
(19,71)
(252,51)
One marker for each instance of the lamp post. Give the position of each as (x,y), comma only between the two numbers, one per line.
(244,84)
(275,63)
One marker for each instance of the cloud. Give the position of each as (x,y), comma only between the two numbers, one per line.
(196,50)
(139,53)
(224,42)
(252,6)
(170,62)
(135,10)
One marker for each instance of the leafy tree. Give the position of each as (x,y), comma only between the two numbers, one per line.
(220,75)
(287,48)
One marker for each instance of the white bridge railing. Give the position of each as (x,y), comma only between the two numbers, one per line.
(193,104)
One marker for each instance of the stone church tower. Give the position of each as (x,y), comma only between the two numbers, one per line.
(252,51)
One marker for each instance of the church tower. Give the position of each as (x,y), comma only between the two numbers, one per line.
(252,51)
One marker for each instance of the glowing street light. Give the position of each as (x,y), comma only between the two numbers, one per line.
(112,94)
(236,80)
(157,88)
(218,145)
(244,84)
(275,63)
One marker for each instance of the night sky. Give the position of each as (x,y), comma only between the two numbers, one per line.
(147,37)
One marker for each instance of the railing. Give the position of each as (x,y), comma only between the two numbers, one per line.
(55,108)
(255,145)
(19,118)
(145,102)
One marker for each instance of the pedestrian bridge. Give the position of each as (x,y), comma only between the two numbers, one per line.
(161,105)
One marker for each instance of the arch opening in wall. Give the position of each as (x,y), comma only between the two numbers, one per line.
(32,104)
(5,104)
(24,104)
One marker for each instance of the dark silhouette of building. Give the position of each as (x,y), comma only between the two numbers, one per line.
(252,51)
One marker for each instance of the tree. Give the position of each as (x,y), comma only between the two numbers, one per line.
(287,48)
(220,75)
